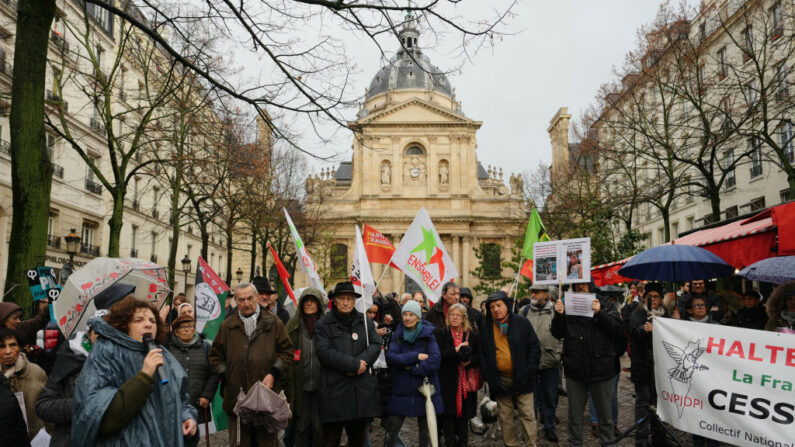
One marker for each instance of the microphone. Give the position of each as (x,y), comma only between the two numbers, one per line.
(149,344)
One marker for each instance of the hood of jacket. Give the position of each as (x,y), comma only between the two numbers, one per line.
(7,309)
(295,321)
(499,296)
(426,331)
(778,299)
(66,361)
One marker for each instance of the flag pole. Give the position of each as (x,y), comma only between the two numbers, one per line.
(381,277)
(515,284)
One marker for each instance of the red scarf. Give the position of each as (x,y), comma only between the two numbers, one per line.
(461,393)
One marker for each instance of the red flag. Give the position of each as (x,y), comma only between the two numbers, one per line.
(378,248)
(283,274)
(527,269)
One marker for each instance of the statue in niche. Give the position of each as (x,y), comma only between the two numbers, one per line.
(386,173)
(444,173)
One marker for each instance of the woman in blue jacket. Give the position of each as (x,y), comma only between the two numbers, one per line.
(414,355)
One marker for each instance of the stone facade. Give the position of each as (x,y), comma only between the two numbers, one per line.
(413,147)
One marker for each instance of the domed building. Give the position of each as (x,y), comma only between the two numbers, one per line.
(414,147)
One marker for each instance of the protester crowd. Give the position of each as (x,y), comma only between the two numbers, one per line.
(143,376)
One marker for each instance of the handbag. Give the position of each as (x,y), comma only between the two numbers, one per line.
(474,377)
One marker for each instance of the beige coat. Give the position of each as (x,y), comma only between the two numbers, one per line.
(28,378)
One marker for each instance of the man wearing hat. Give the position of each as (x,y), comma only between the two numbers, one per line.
(509,358)
(540,312)
(348,391)
(269,299)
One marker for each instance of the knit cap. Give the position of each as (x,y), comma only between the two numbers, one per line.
(413,307)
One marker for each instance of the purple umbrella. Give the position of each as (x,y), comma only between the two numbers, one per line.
(776,270)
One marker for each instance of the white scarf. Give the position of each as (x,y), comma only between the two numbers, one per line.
(249,322)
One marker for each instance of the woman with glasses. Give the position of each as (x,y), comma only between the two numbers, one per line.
(193,353)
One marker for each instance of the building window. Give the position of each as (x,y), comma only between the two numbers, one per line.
(728,166)
(757,204)
(675,230)
(751,93)
(661,235)
(782,83)
(415,150)
(691,221)
(702,30)
(748,39)
(101,16)
(732,212)
(51,147)
(87,238)
(339,260)
(776,21)
(755,149)
(723,69)
(786,141)
(134,237)
(785,195)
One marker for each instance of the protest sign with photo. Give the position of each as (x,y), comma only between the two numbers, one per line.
(579,304)
(566,261)
(730,384)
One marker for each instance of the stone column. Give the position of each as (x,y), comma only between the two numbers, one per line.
(395,272)
(456,241)
(465,262)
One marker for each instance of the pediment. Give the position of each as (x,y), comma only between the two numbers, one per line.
(415,111)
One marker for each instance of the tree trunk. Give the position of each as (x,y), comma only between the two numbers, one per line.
(205,239)
(31,171)
(666,215)
(253,252)
(174,219)
(714,201)
(229,248)
(115,223)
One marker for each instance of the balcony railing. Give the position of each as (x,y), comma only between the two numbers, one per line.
(5,148)
(93,186)
(134,253)
(55,100)
(88,249)
(59,41)
(57,170)
(53,241)
(96,126)
(153,258)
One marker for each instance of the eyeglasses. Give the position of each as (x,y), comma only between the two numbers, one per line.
(455,316)
(186,328)
(699,305)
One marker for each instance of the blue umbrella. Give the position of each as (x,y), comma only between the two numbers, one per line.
(776,270)
(676,263)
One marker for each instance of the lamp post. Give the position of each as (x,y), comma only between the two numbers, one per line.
(186,264)
(72,247)
(239,274)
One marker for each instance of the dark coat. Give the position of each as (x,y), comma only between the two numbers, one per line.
(589,344)
(308,363)
(243,362)
(776,303)
(340,347)
(388,306)
(406,399)
(711,300)
(195,360)
(753,318)
(640,343)
(54,404)
(13,433)
(448,371)
(525,354)
(26,329)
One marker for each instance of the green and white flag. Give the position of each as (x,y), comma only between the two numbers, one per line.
(210,296)
(306,262)
(421,256)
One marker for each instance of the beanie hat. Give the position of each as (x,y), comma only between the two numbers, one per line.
(413,307)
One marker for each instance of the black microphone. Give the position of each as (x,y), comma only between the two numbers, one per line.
(149,344)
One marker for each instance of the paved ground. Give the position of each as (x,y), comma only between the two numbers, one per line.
(626,405)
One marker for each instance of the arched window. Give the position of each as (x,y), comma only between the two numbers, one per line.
(339,260)
(415,150)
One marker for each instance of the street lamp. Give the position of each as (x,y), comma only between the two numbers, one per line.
(186,264)
(72,247)
(239,274)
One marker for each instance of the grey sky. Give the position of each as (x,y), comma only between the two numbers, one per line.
(562,52)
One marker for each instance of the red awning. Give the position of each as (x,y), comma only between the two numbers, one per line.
(739,243)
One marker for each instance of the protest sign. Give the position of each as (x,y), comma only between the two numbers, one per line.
(566,261)
(43,284)
(730,384)
(422,257)
(578,304)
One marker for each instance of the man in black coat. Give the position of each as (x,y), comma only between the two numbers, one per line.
(589,362)
(269,299)
(348,392)
(753,315)
(389,310)
(698,288)
(509,357)
(437,315)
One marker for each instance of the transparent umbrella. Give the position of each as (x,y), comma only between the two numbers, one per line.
(427,389)
(75,305)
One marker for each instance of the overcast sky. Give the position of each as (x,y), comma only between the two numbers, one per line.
(562,52)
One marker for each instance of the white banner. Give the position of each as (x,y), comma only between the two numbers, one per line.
(730,384)
(305,261)
(579,304)
(421,256)
(361,276)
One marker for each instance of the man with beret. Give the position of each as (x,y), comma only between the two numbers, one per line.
(346,350)
(269,299)
(509,356)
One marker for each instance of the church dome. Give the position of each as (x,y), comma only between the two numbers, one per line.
(409,68)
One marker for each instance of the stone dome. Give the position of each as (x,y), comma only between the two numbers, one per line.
(409,68)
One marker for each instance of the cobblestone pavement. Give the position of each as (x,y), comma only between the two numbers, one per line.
(626,411)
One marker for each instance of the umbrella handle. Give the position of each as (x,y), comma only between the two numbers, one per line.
(206,427)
